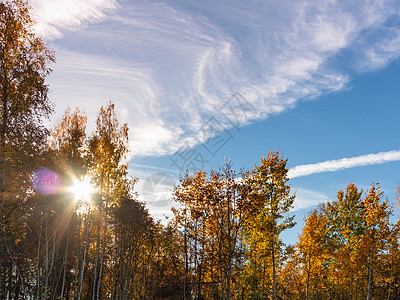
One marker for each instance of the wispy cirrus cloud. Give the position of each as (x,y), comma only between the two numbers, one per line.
(173,64)
(344,163)
(56,16)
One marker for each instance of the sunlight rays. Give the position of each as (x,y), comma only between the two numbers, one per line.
(82,190)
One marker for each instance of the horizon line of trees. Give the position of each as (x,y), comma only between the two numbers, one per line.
(223,241)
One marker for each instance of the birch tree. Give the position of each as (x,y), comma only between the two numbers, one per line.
(24,65)
(270,195)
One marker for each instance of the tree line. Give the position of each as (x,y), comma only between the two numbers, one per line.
(223,241)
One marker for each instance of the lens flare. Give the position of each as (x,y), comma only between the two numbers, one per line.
(82,190)
(46,181)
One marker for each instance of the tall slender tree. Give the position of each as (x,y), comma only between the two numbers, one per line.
(68,157)
(270,194)
(376,218)
(312,246)
(108,147)
(345,228)
(24,65)
(24,61)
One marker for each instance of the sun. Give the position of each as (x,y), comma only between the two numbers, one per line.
(82,190)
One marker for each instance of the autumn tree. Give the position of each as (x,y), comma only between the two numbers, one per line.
(108,148)
(292,274)
(344,219)
(312,247)
(270,194)
(67,141)
(346,243)
(24,62)
(390,265)
(131,222)
(226,203)
(376,218)
(68,157)
(191,194)
(211,216)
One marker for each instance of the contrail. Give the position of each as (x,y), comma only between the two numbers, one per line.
(344,163)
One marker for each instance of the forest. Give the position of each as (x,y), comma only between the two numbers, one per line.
(58,240)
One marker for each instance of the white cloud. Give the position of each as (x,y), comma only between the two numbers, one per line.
(344,163)
(170,66)
(56,16)
(306,198)
(88,81)
(150,138)
(156,189)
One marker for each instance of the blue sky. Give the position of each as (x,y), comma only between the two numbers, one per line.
(317,80)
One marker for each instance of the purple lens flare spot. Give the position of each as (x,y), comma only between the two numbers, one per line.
(46,181)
